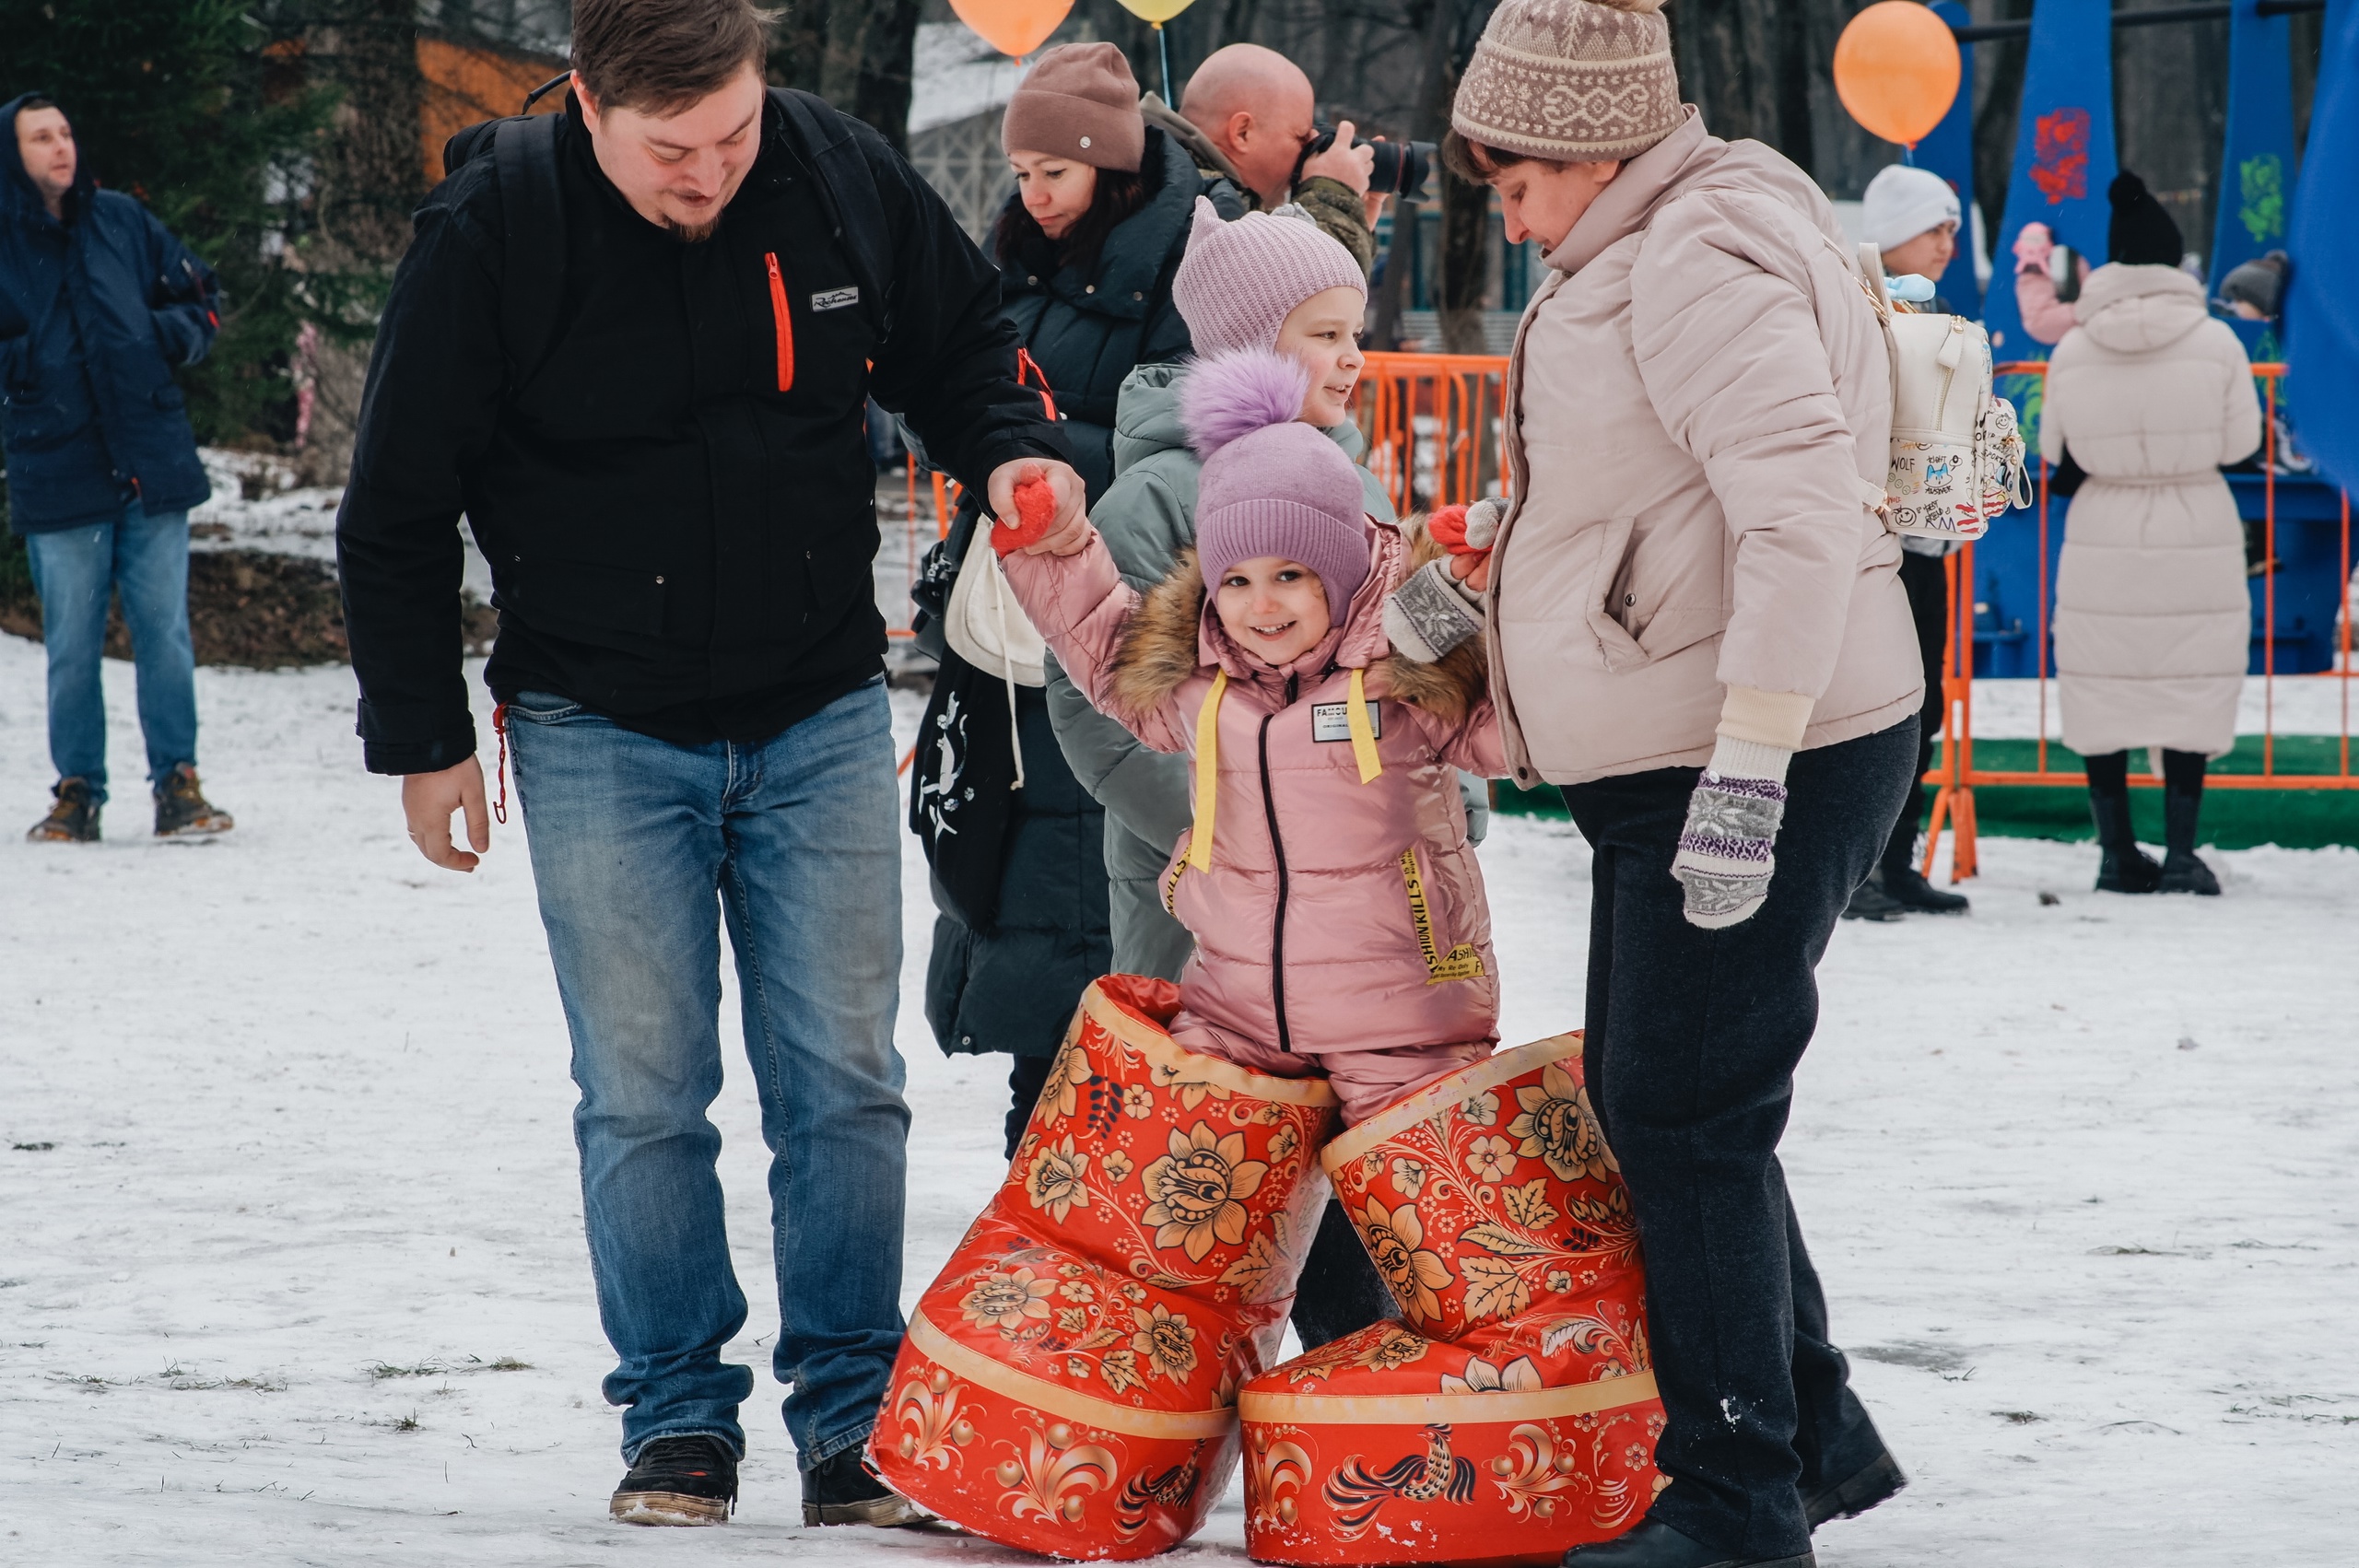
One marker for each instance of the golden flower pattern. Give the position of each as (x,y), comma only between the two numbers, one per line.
(1165,1340)
(1055,1181)
(1558,1126)
(1198,1191)
(1396,1240)
(1005,1301)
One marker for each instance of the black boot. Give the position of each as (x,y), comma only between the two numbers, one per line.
(1655,1545)
(1907,887)
(2182,873)
(1871,902)
(2122,866)
(1338,1292)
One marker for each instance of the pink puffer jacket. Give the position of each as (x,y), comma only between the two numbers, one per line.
(1336,915)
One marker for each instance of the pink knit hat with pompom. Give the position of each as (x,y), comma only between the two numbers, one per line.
(1271,485)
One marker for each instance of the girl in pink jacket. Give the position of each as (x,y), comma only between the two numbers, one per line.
(1339,915)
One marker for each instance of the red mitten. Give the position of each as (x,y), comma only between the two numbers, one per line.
(1036,513)
(1448,527)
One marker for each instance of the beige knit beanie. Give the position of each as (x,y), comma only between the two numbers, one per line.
(1573,81)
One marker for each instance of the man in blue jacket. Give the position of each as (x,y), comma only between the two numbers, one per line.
(97,302)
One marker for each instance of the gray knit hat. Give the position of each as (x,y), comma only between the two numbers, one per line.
(1572,81)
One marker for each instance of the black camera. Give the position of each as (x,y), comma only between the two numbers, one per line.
(1401,168)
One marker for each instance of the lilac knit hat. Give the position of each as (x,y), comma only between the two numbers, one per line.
(1271,485)
(1238,280)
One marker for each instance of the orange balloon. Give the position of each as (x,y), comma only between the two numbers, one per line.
(1896,69)
(1013,27)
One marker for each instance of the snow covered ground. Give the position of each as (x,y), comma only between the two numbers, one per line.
(2079,1174)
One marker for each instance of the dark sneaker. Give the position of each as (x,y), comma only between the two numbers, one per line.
(75,818)
(1907,887)
(844,1491)
(181,810)
(679,1480)
(1871,902)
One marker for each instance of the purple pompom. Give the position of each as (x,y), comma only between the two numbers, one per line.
(1238,393)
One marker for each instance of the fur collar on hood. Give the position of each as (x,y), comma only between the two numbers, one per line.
(1174,636)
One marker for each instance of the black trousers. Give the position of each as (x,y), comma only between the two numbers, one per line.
(1339,1290)
(1693,1040)
(1927,588)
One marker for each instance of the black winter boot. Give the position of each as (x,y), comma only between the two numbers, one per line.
(72,820)
(1871,902)
(2182,873)
(2123,867)
(1655,1545)
(1907,887)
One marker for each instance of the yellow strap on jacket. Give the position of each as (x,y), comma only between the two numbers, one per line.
(1200,837)
(1363,732)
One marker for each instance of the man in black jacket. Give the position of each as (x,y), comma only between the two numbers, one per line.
(677,500)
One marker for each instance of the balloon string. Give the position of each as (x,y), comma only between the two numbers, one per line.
(1908,154)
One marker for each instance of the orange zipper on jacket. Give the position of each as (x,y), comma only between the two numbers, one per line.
(782,321)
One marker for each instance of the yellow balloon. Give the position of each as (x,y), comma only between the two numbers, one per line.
(1014,27)
(1156,11)
(1896,69)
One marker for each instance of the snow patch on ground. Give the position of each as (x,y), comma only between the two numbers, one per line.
(298,1187)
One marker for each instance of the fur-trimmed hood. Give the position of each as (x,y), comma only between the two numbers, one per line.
(1173,635)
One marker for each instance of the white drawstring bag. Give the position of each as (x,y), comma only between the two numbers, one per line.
(986,626)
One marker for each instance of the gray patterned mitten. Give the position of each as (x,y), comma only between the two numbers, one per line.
(1724,859)
(1432,614)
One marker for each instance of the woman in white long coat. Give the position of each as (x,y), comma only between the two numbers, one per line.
(2148,396)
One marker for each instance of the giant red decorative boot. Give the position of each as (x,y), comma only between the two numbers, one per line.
(1069,1381)
(1512,1415)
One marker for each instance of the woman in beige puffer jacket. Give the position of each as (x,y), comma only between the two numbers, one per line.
(2153,625)
(1697,631)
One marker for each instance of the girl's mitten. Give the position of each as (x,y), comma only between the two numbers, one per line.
(1036,512)
(1431,614)
(1724,859)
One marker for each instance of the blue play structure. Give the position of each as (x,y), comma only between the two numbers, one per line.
(2064,160)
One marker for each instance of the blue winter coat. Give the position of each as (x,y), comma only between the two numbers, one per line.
(95,311)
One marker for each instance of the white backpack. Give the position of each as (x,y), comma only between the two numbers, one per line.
(1958,457)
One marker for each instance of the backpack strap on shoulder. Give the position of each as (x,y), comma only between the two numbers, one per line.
(531,200)
(848,187)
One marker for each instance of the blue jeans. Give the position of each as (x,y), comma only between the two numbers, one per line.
(634,841)
(144,558)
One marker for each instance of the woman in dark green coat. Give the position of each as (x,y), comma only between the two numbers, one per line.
(1086,246)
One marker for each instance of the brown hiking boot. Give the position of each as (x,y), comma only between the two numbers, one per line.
(75,818)
(181,810)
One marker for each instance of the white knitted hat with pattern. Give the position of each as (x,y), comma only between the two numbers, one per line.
(1572,81)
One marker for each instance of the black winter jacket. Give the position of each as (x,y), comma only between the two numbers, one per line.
(1087,331)
(678,503)
(94,314)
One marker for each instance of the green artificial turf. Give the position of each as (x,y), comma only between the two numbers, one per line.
(2233,819)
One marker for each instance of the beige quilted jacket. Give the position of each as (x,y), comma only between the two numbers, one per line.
(1696,394)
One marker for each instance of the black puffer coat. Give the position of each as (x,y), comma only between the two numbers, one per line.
(1087,331)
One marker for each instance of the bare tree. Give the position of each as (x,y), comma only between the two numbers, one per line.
(854,53)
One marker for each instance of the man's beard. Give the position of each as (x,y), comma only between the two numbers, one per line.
(692,234)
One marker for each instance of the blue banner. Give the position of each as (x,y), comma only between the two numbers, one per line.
(2321,309)
(2064,158)
(1948,151)
(2256,156)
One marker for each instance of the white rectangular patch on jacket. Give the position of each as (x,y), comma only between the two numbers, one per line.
(1333,721)
(836,299)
